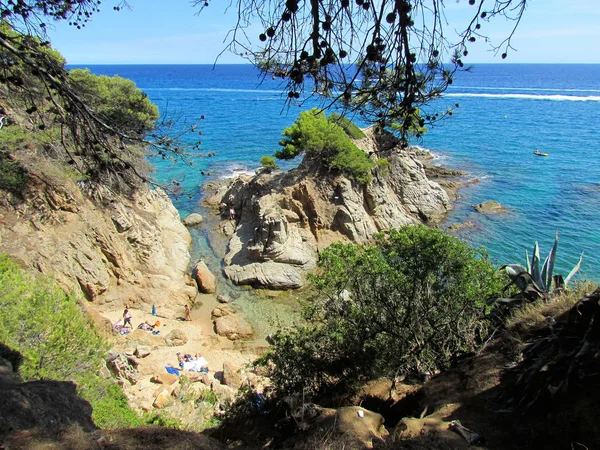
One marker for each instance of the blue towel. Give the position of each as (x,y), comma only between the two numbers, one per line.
(172,370)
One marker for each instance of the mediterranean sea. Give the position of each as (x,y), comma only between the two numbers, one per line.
(506,112)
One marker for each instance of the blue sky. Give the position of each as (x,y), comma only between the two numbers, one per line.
(552,31)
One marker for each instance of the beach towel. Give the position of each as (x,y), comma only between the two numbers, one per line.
(172,370)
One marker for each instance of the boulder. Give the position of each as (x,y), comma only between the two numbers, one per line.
(193,220)
(142,351)
(165,378)
(360,425)
(124,367)
(176,338)
(457,227)
(222,391)
(207,282)
(222,299)
(221,311)
(162,399)
(490,207)
(233,327)
(432,430)
(232,376)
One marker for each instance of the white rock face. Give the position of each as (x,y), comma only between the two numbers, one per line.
(284,219)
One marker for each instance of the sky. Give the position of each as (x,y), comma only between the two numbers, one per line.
(552,31)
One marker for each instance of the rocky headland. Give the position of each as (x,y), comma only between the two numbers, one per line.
(283,219)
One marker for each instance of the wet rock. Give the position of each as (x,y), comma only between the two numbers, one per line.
(222,299)
(457,227)
(490,207)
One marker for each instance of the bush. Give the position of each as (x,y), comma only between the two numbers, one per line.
(57,341)
(347,125)
(410,302)
(316,136)
(13,177)
(268,163)
(118,99)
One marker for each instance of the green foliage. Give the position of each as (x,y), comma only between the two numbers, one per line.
(533,283)
(316,136)
(117,99)
(13,177)
(411,124)
(57,341)
(383,164)
(410,302)
(268,163)
(349,127)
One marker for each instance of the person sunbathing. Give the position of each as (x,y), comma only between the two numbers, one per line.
(193,364)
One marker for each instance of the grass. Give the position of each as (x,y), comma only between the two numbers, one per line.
(529,320)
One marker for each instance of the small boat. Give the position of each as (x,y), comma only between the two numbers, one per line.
(538,153)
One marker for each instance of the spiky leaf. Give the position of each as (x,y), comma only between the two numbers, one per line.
(574,271)
(535,267)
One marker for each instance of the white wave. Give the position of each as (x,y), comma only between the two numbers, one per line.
(233,173)
(252,91)
(491,88)
(560,98)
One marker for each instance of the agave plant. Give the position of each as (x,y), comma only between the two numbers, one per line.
(532,282)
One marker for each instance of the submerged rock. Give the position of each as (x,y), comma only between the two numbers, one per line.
(490,207)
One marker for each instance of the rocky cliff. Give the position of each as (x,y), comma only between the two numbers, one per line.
(283,219)
(109,247)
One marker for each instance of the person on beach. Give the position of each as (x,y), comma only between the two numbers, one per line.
(188,313)
(231,213)
(193,364)
(127,318)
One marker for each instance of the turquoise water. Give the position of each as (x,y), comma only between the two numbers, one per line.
(506,111)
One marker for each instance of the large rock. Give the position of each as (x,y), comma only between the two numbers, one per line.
(360,425)
(286,218)
(176,338)
(193,220)
(233,327)
(165,378)
(125,367)
(207,282)
(162,399)
(221,311)
(232,376)
(99,243)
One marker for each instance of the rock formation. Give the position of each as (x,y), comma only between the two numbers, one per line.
(109,247)
(284,218)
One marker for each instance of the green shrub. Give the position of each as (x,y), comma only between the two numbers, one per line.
(316,136)
(347,125)
(118,99)
(410,302)
(57,341)
(13,177)
(268,163)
